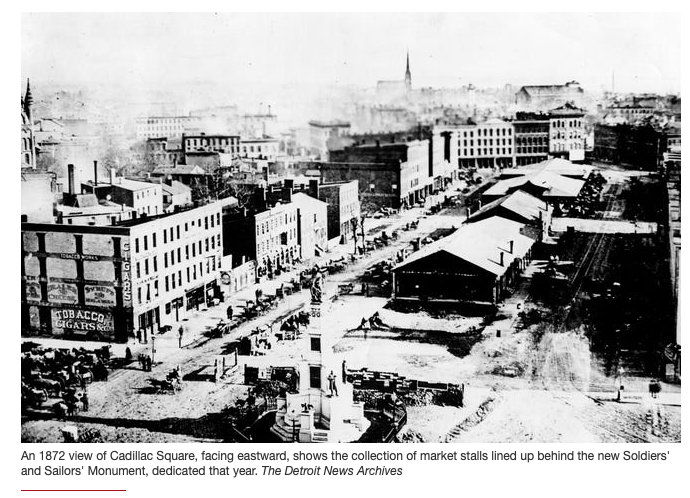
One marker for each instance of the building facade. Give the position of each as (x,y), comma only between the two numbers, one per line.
(485,145)
(639,147)
(106,282)
(388,174)
(531,138)
(163,126)
(567,132)
(320,132)
(343,211)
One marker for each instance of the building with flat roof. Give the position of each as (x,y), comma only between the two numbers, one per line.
(320,132)
(394,174)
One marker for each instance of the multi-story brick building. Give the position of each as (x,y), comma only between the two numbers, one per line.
(164,126)
(567,132)
(531,138)
(267,235)
(320,132)
(388,174)
(542,97)
(210,143)
(342,199)
(105,282)
(485,145)
(640,147)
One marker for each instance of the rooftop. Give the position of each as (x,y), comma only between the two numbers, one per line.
(520,203)
(481,244)
(553,185)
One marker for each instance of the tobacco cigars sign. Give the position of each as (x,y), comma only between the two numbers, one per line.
(126,274)
(80,320)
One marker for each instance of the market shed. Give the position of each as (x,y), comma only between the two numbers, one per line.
(477,264)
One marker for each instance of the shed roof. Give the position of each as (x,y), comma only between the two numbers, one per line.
(481,244)
(554,185)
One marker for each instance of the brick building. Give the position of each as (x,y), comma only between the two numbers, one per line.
(485,145)
(567,132)
(389,174)
(531,138)
(342,199)
(639,147)
(105,282)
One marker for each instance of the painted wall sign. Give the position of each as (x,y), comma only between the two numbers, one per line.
(82,320)
(126,274)
(33,292)
(99,294)
(60,292)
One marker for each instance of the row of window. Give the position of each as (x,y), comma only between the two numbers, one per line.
(488,141)
(174,233)
(532,150)
(566,123)
(502,151)
(175,256)
(275,222)
(150,290)
(489,132)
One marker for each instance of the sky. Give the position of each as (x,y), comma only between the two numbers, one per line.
(243,50)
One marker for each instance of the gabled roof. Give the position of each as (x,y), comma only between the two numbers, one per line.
(553,185)
(550,90)
(180,169)
(481,244)
(521,203)
(176,188)
(304,200)
(555,165)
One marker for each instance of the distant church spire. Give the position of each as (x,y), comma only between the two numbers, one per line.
(408,74)
(28,99)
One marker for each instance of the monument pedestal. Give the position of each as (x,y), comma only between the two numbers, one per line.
(318,415)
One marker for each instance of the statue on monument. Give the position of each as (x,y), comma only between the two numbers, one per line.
(317,286)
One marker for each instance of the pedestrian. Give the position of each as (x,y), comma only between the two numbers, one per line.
(85,401)
(128,355)
(139,336)
(180,333)
(229,311)
(344,373)
(333,388)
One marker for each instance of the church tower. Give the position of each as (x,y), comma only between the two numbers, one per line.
(28,159)
(408,75)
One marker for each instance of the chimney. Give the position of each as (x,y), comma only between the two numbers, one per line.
(501,258)
(288,186)
(112,176)
(314,188)
(95,173)
(70,179)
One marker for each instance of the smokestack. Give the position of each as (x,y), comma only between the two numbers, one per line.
(112,176)
(95,173)
(314,188)
(70,179)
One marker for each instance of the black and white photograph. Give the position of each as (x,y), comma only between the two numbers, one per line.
(350,227)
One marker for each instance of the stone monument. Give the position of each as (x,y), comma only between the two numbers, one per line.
(323,409)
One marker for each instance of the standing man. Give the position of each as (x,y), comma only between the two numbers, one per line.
(180,333)
(331,384)
(344,373)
